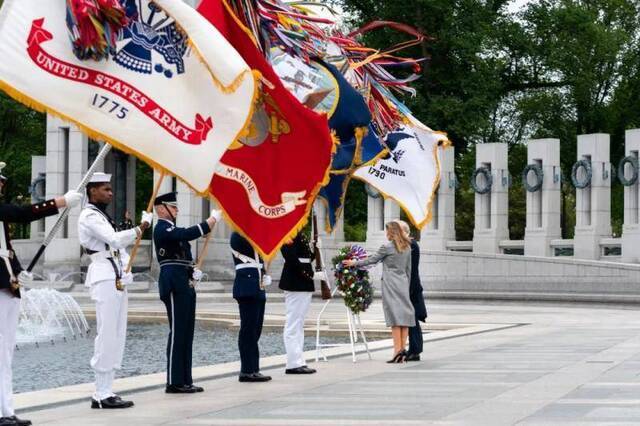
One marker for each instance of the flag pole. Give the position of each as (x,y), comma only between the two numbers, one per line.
(134,251)
(83,183)
(203,253)
(205,247)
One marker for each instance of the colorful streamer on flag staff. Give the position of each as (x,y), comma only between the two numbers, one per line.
(298,31)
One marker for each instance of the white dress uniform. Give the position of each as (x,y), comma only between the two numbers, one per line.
(108,260)
(297,282)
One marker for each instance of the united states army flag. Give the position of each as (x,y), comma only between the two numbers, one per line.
(174,92)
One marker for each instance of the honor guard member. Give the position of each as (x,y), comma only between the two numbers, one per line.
(11,277)
(107,281)
(249,291)
(176,285)
(297,282)
(417,298)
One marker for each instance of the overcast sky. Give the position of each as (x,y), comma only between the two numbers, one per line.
(517,5)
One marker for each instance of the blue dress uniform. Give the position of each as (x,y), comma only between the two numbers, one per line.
(417,299)
(251,297)
(177,292)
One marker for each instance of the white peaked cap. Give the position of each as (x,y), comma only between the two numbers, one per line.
(99,177)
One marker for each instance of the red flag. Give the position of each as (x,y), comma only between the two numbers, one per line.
(267,182)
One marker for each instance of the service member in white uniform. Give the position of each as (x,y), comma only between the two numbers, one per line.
(107,281)
(12,277)
(297,281)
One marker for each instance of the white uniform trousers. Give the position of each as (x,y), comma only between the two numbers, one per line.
(111,329)
(9,315)
(296,304)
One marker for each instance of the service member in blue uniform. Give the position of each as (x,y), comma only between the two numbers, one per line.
(417,298)
(176,285)
(11,278)
(249,291)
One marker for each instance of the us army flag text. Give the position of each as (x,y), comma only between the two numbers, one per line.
(174,93)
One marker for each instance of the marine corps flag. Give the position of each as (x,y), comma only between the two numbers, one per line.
(411,173)
(267,182)
(174,92)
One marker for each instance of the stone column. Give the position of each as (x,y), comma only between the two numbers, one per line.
(190,209)
(66,164)
(375,220)
(38,169)
(337,235)
(189,204)
(491,209)
(131,186)
(442,227)
(543,206)
(593,203)
(166,186)
(631,227)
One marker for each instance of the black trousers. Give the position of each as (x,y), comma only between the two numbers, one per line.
(251,319)
(415,338)
(181,310)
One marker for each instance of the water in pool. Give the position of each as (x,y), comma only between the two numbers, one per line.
(49,366)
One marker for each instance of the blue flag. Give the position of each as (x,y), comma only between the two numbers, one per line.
(350,122)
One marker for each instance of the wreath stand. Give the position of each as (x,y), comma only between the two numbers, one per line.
(356,333)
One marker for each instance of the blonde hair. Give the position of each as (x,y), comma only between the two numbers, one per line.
(400,240)
(405,227)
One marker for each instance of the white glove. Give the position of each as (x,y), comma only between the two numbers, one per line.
(216,214)
(266,280)
(25,278)
(72,198)
(197,274)
(147,217)
(320,276)
(127,278)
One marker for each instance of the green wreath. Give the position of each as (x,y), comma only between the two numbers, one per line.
(581,184)
(629,159)
(484,171)
(537,170)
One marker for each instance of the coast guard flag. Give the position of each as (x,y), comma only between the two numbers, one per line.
(175,93)
(267,182)
(411,173)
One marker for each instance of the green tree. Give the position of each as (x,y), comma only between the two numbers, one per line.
(578,65)
(558,68)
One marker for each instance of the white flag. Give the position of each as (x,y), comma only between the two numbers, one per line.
(411,173)
(175,93)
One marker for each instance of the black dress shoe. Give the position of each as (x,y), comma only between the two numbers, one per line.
(197,388)
(18,422)
(253,377)
(111,402)
(412,357)
(300,370)
(6,421)
(180,389)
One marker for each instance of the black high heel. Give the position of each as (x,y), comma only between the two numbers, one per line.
(403,356)
(397,358)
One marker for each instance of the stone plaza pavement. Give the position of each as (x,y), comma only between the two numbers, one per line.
(502,364)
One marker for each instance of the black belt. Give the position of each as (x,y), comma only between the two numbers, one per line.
(176,262)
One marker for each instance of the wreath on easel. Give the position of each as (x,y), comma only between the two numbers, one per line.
(353,283)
